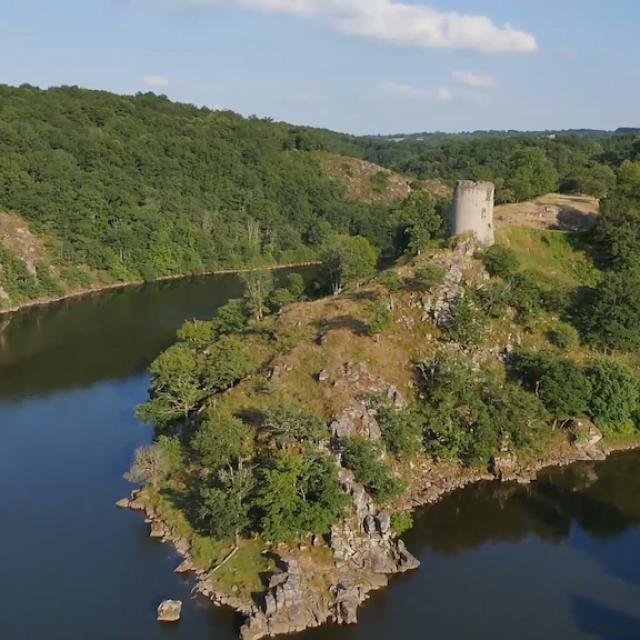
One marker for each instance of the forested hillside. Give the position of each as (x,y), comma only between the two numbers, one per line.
(99,188)
(132,186)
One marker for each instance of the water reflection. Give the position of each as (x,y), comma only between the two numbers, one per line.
(603,622)
(110,336)
(600,498)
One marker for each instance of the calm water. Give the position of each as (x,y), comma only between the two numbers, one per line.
(557,561)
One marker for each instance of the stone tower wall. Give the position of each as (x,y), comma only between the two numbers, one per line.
(473,205)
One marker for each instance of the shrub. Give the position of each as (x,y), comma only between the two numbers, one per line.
(564,336)
(525,292)
(614,394)
(428,277)
(392,280)
(401,431)
(494,299)
(500,261)
(289,423)
(559,382)
(401,522)
(380,318)
(363,458)
(468,323)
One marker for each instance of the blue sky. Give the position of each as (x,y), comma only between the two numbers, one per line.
(363,66)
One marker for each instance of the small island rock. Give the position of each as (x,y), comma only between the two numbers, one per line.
(169,611)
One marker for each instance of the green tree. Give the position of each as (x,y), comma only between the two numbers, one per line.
(224,508)
(231,318)
(530,174)
(258,285)
(298,494)
(559,382)
(196,333)
(614,394)
(228,362)
(176,385)
(221,441)
(415,223)
(156,463)
(348,261)
(616,235)
(468,414)
(610,317)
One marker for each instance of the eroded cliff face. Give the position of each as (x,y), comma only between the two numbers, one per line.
(301,595)
(364,550)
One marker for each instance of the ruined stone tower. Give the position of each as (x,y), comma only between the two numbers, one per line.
(473,210)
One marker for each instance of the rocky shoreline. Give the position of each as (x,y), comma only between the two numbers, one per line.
(364,548)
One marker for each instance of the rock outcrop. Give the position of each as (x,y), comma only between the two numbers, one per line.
(439,304)
(358,418)
(169,611)
(365,551)
(586,437)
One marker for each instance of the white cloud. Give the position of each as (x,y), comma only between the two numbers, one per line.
(475,81)
(442,94)
(156,82)
(411,92)
(396,23)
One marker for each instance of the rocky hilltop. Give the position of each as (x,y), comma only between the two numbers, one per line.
(434,374)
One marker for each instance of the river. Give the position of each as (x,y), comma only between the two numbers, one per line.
(559,560)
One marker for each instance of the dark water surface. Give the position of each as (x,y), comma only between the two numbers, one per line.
(556,561)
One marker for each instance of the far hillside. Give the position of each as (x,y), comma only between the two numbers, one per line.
(98,188)
(368,182)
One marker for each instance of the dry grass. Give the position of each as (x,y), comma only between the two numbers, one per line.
(368,182)
(553,211)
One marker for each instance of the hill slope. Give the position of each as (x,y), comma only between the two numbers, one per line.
(450,367)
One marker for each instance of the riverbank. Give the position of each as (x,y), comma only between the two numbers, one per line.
(90,291)
(293,591)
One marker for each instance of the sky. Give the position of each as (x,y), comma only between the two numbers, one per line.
(359,66)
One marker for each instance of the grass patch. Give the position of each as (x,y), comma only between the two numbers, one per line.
(560,255)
